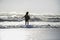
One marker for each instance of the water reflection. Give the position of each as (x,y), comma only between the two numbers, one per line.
(30,34)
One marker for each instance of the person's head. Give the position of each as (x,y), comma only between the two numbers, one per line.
(27,13)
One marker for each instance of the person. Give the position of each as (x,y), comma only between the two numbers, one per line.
(27,18)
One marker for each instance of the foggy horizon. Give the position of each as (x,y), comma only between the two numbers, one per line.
(33,6)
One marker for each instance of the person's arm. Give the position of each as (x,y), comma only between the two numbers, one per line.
(22,17)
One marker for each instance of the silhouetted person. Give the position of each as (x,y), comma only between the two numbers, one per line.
(27,18)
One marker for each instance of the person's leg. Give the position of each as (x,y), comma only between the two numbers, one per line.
(26,22)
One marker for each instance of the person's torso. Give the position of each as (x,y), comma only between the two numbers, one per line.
(27,17)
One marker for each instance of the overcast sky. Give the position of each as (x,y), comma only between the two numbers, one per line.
(33,6)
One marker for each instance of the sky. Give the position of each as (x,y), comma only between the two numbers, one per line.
(33,6)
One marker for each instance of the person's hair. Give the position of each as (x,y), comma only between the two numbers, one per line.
(27,13)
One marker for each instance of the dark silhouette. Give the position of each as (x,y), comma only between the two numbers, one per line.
(27,18)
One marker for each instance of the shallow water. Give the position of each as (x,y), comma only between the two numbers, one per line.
(30,34)
(30,23)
